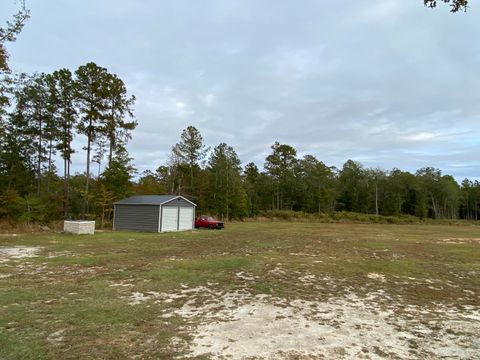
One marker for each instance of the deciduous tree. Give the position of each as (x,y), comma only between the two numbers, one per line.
(352,185)
(317,182)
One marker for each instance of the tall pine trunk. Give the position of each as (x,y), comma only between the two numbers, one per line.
(65,186)
(39,160)
(434,205)
(112,135)
(110,150)
(50,162)
(86,207)
(66,170)
(227,198)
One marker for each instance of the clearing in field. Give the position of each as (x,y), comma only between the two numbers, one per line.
(254,290)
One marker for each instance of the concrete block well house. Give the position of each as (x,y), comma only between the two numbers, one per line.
(155,213)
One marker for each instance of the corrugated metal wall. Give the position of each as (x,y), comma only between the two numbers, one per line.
(136,217)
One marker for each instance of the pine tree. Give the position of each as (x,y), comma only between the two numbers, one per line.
(32,99)
(118,107)
(91,95)
(63,85)
(190,151)
(280,165)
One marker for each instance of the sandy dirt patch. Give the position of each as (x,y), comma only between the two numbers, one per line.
(120,284)
(56,337)
(458,240)
(18,252)
(245,276)
(240,325)
(376,276)
(343,328)
(269,331)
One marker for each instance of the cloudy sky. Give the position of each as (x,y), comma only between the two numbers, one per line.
(388,83)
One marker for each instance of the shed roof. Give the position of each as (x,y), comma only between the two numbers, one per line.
(150,200)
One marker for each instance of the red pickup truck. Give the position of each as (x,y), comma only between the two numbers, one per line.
(208,222)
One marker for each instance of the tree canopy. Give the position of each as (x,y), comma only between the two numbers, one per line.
(455,5)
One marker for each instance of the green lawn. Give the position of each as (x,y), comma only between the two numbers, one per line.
(73,300)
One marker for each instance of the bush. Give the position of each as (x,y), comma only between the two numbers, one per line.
(338,217)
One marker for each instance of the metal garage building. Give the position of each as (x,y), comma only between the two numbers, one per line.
(156,213)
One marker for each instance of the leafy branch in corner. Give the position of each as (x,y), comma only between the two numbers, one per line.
(456,5)
(10,32)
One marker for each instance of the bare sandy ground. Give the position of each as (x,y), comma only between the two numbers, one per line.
(18,252)
(239,325)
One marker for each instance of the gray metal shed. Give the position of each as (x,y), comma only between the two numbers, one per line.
(157,213)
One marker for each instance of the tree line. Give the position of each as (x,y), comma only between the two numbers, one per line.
(216,181)
(40,116)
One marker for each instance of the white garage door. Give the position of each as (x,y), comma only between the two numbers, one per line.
(169,218)
(186,218)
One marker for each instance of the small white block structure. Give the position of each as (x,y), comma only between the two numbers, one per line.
(79,227)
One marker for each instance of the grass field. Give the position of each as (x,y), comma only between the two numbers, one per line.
(253,290)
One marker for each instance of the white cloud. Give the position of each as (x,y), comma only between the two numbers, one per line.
(209,99)
(420,136)
(382,11)
(298,64)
